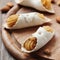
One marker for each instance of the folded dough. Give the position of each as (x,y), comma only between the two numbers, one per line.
(38,39)
(41,5)
(25,20)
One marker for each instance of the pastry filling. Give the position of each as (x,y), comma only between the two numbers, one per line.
(12,20)
(46,4)
(30,44)
(48,28)
(41,16)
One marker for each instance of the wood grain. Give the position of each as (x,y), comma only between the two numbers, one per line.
(4,55)
(0,29)
(0,36)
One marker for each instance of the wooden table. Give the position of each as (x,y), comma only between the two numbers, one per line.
(4,55)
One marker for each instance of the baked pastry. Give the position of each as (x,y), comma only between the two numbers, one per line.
(38,39)
(25,20)
(41,5)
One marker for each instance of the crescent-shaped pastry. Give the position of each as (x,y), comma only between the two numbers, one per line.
(25,20)
(38,39)
(41,5)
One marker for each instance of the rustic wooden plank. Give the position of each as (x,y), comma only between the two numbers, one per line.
(4,54)
(0,54)
(0,31)
(0,36)
(10,58)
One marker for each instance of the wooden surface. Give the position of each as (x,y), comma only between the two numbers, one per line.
(4,55)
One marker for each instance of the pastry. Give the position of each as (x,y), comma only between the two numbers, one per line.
(25,20)
(38,39)
(41,5)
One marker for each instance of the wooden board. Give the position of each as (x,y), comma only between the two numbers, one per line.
(4,55)
(12,38)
